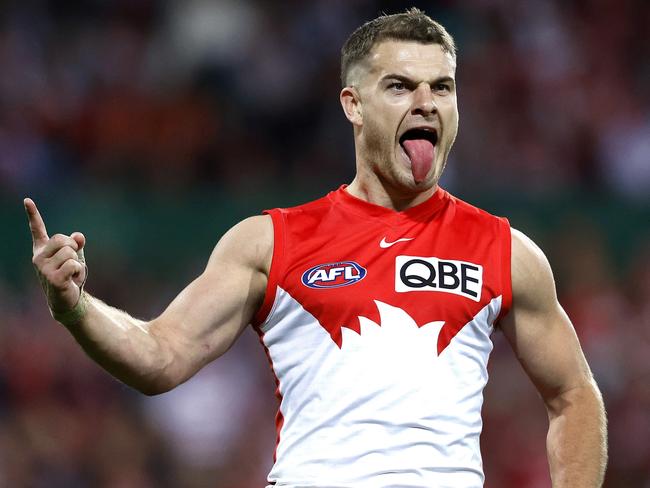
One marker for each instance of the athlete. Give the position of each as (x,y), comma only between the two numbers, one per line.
(375,303)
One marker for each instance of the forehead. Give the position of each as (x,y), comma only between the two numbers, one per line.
(412,59)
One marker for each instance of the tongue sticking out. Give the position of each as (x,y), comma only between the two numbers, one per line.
(420,152)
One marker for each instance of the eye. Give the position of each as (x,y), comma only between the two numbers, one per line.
(442,88)
(397,86)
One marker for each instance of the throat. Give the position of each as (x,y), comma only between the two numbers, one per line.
(372,189)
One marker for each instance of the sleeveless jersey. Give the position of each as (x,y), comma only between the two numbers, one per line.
(377,326)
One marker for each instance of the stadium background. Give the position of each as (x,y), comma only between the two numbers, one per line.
(154,126)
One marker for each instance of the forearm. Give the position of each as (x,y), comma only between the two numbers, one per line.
(200,324)
(123,345)
(577,438)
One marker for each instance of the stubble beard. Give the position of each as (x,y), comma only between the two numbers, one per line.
(382,157)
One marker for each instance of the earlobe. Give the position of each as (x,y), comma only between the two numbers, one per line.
(351,105)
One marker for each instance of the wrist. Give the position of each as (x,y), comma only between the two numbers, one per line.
(73,316)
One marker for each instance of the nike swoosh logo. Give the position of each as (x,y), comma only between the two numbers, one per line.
(384,245)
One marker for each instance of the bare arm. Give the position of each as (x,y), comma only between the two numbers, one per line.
(200,324)
(545,343)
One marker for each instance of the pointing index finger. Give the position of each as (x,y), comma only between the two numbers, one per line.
(36,224)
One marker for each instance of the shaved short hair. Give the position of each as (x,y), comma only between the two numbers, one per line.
(412,25)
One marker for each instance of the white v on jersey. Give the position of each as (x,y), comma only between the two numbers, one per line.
(381,353)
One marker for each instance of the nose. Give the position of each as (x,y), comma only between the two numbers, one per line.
(423,102)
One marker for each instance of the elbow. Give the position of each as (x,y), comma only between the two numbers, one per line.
(157,379)
(586,396)
(155,387)
(161,373)
(153,391)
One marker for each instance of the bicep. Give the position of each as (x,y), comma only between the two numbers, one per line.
(205,319)
(538,328)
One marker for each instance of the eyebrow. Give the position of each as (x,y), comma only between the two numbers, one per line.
(409,81)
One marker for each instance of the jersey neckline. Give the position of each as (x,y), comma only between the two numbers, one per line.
(364,208)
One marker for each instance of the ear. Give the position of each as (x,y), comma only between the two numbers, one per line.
(351,103)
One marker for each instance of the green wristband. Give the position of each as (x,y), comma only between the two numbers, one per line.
(73,316)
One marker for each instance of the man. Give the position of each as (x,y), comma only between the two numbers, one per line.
(375,303)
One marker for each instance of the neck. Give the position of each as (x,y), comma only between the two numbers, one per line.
(373,190)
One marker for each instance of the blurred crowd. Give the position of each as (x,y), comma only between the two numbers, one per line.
(229,98)
(231,93)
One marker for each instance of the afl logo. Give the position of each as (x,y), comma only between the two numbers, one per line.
(333,275)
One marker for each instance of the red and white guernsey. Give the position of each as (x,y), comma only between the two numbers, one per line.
(377,324)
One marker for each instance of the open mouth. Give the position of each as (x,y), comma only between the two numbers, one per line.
(419,149)
(419,134)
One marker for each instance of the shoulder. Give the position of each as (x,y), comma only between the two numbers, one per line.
(249,242)
(471,213)
(257,227)
(300,220)
(313,206)
(532,279)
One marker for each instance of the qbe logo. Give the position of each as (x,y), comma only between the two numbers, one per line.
(416,273)
(333,275)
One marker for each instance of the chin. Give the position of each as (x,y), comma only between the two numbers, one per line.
(408,185)
(426,185)
(407,179)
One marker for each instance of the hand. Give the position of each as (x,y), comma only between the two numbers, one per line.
(59,262)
